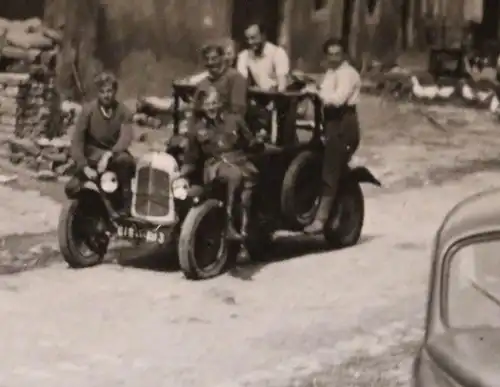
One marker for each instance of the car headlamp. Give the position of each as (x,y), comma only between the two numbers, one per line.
(180,188)
(109,182)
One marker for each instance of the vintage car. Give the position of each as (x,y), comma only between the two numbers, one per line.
(287,193)
(461,345)
(186,214)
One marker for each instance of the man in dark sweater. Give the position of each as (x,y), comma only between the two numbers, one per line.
(231,86)
(102,136)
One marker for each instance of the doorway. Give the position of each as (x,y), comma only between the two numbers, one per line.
(489,27)
(347,21)
(266,12)
(22,9)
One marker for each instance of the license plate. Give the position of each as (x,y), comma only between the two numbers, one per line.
(144,235)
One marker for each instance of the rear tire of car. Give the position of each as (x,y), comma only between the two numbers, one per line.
(203,226)
(345,224)
(303,176)
(68,243)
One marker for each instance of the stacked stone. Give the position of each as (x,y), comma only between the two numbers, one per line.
(13,88)
(28,52)
(38,112)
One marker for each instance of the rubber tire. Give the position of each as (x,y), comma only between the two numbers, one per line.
(288,208)
(187,261)
(67,246)
(352,194)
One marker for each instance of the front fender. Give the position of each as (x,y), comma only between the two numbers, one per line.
(89,191)
(363,175)
(198,193)
(74,188)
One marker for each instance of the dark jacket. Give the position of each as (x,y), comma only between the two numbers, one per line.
(96,133)
(213,138)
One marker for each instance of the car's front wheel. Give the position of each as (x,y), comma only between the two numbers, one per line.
(82,236)
(203,247)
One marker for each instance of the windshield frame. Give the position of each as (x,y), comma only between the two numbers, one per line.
(448,256)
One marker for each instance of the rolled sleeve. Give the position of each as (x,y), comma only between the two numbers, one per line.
(242,64)
(347,83)
(281,62)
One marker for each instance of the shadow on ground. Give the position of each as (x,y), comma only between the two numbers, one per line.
(287,248)
(20,253)
(284,248)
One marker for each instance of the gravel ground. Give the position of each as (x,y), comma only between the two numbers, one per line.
(350,318)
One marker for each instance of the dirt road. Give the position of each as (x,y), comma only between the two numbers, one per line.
(350,317)
(345,318)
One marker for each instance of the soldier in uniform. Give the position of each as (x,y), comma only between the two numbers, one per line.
(221,143)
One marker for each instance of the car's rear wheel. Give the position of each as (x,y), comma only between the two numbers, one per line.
(301,190)
(82,236)
(203,248)
(345,224)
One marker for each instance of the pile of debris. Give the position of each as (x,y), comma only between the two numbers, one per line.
(28,98)
(155,112)
(70,111)
(47,157)
(31,115)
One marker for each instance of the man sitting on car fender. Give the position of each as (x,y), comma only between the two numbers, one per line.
(219,142)
(102,136)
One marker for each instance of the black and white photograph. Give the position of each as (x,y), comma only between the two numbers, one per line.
(250,193)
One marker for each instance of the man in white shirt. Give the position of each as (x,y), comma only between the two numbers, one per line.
(263,63)
(339,92)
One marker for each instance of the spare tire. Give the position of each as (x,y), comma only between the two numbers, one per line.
(300,191)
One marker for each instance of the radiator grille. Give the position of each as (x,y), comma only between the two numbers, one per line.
(152,193)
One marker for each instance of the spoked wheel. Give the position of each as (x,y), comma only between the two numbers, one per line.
(344,226)
(203,248)
(301,190)
(82,235)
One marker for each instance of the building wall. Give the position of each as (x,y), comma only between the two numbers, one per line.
(310,27)
(382,33)
(143,42)
(149,43)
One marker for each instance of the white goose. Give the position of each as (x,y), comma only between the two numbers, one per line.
(423,92)
(467,92)
(494,104)
(446,92)
(485,95)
